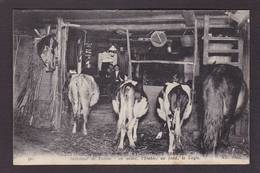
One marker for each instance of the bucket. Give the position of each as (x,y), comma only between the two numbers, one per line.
(187,40)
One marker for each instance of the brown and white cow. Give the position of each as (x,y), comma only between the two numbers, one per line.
(130,103)
(174,106)
(83,94)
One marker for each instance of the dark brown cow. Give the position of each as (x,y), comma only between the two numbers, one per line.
(224,94)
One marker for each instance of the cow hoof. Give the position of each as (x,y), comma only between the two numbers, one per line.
(85,133)
(120,147)
(132,146)
(135,139)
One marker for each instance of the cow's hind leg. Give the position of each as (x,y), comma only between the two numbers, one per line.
(171,142)
(130,132)
(85,113)
(171,136)
(121,128)
(135,130)
(122,137)
(117,131)
(75,112)
(73,97)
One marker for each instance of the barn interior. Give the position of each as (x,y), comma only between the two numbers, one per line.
(150,45)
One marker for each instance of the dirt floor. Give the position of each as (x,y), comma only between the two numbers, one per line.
(99,140)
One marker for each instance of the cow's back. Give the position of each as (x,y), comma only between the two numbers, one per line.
(83,88)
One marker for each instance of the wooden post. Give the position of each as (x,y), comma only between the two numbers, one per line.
(58,80)
(138,67)
(129,56)
(63,68)
(205,40)
(195,59)
(240,52)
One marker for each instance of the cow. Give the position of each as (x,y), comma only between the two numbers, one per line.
(83,94)
(130,104)
(174,106)
(224,96)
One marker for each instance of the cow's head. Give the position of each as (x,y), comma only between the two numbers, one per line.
(47,51)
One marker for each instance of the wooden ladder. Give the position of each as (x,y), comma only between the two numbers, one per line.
(208,39)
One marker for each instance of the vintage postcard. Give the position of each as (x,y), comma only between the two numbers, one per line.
(131,87)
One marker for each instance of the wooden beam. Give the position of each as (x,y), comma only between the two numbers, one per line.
(205,41)
(151,19)
(160,62)
(132,27)
(130,20)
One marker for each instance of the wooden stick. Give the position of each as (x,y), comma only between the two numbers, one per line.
(160,62)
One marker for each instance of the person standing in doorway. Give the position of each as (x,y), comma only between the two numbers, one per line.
(118,78)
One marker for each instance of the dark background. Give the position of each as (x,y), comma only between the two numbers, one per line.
(6,148)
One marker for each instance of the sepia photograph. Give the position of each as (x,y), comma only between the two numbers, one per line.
(131,87)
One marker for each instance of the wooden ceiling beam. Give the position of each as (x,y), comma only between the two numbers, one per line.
(151,19)
(132,27)
(139,20)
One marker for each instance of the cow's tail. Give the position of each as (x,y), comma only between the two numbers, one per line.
(78,99)
(96,93)
(73,95)
(213,119)
(242,98)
